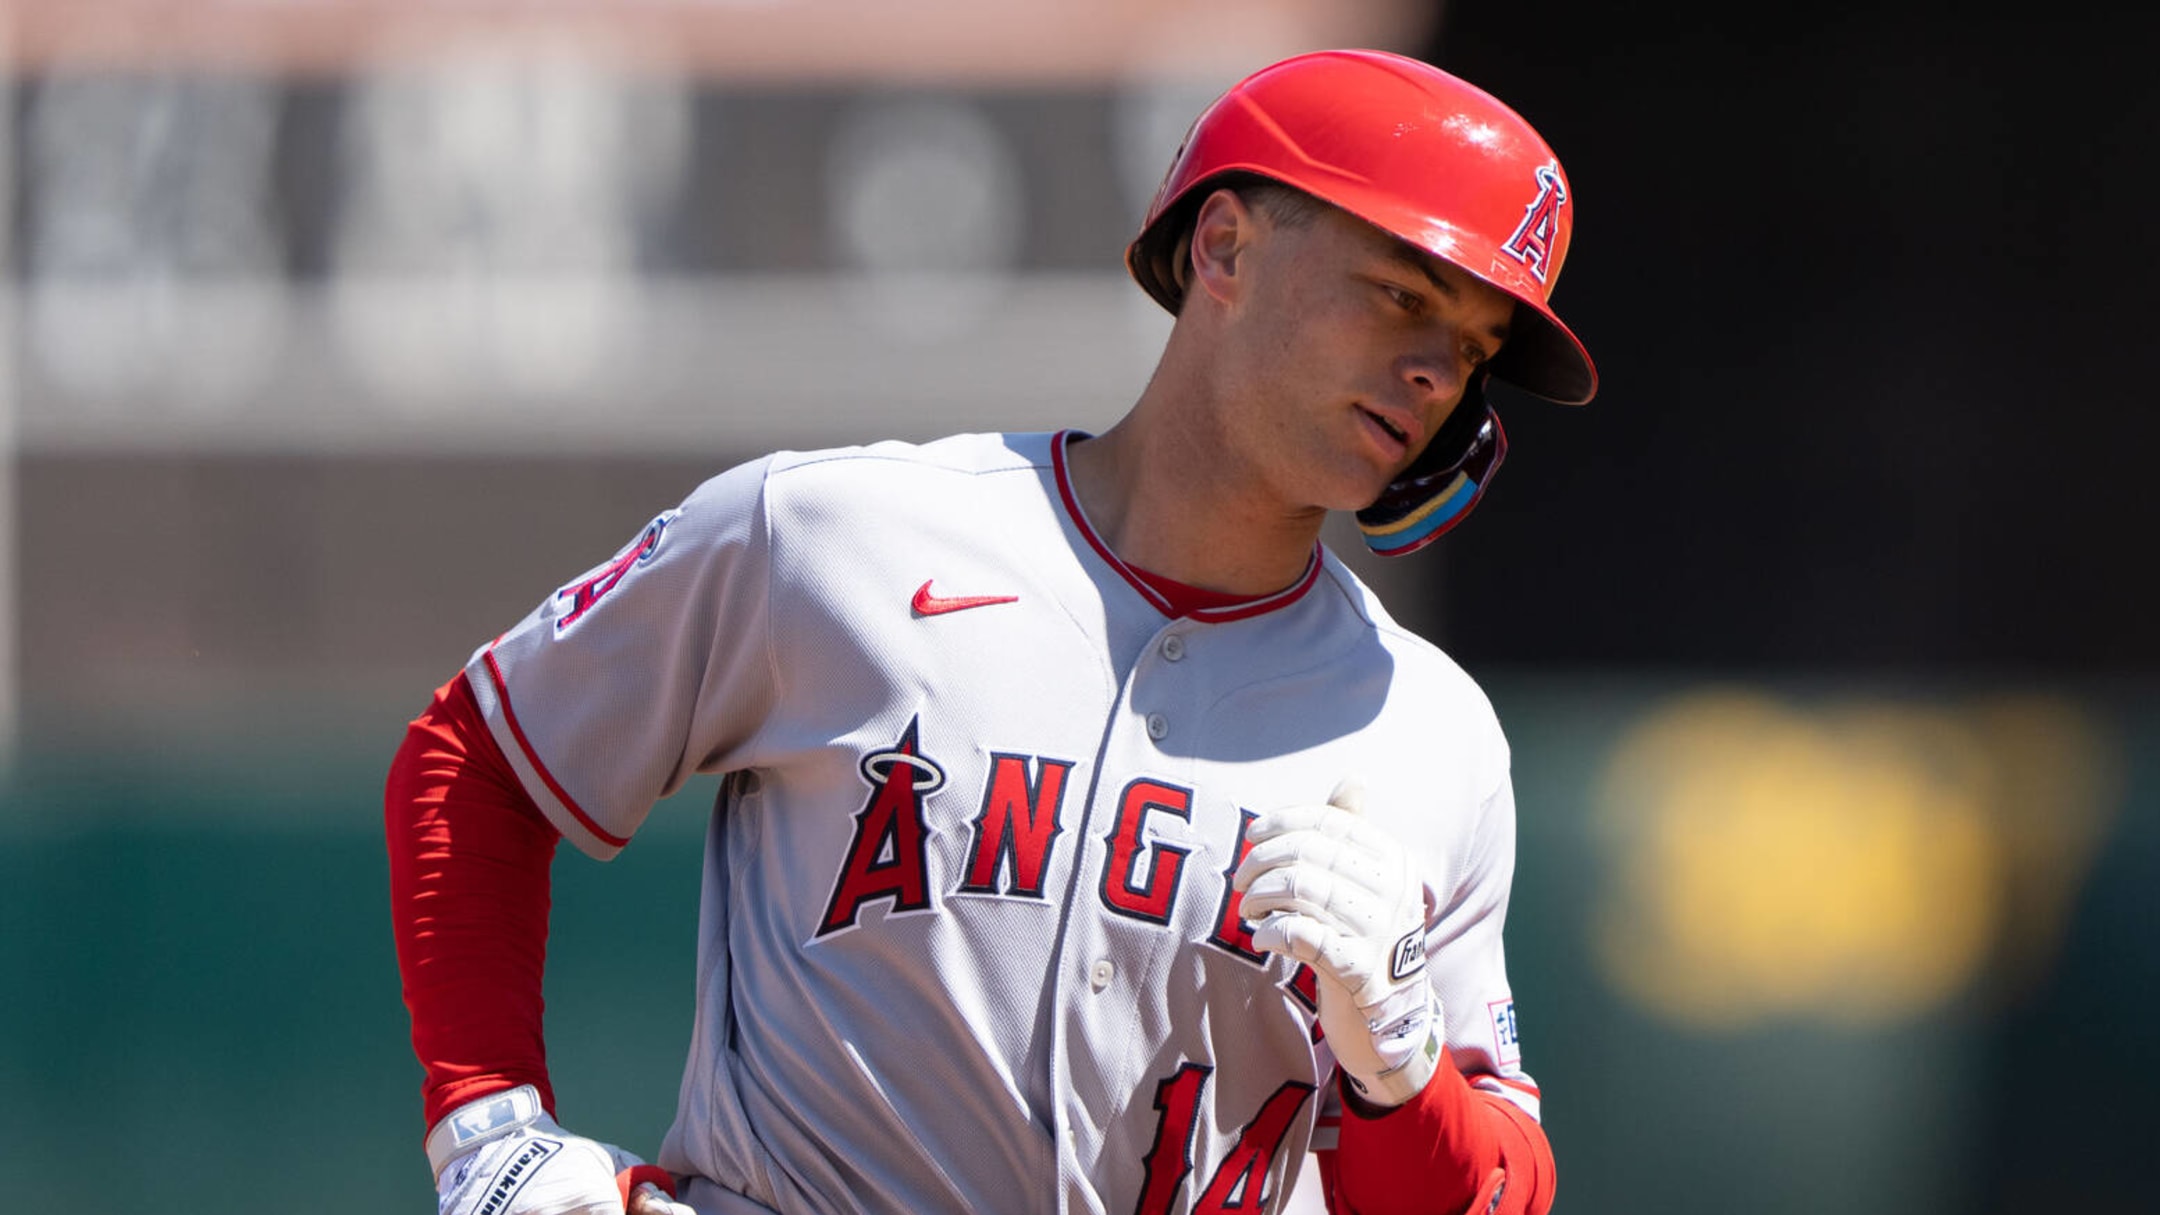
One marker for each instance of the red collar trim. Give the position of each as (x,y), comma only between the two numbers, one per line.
(1187,599)
(1139,582)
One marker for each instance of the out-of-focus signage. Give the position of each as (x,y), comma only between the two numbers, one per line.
(1035,42)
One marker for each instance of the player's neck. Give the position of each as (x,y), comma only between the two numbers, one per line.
(1159,494)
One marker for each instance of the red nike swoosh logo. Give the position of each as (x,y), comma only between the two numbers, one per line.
(927,604)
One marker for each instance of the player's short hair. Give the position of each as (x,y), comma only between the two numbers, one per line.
(1284,205)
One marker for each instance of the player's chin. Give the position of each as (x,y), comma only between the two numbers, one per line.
(1368,475)
(1357,485)
(1350,476)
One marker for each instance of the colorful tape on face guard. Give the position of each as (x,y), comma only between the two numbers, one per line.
(1449,477)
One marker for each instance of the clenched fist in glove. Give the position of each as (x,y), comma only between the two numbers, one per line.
(503,1155)
(1326,887)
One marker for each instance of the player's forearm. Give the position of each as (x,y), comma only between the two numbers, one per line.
(1437,1154)
(469,857)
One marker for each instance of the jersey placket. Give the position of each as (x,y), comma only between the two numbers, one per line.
(1141,863)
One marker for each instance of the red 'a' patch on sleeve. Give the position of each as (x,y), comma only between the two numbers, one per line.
(581,596)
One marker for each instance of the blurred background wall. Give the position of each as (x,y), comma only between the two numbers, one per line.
(340,332)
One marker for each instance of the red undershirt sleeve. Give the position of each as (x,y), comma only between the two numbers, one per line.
(1453,1149)
(469,858)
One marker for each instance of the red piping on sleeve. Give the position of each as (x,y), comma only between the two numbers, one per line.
(502,695)
(1520,1086)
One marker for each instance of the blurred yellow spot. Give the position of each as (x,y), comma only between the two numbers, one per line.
(1850,865)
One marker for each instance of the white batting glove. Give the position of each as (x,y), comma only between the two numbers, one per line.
(1326,887)
(503,1155)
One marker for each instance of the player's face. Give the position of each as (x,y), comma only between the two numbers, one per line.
(1353,348)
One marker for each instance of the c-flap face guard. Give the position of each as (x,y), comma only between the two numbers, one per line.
(1448,478)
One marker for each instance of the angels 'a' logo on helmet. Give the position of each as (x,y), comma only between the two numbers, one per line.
(1532,243)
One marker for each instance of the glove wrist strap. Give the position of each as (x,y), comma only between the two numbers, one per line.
(1398,1084)
(480,1120)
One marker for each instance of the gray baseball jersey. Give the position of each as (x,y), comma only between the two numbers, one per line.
(968,941)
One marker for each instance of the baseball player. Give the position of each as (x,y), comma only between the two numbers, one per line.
(1089,839)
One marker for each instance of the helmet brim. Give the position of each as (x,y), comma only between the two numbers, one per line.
(1544,357)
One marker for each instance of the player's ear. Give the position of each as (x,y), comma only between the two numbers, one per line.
(1222,231)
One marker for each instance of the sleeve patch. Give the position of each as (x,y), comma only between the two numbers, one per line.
(579,597)
(1507,1043)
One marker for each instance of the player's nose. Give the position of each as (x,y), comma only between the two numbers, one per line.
(1435,378)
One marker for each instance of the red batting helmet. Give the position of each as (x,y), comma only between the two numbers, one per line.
(1411,149)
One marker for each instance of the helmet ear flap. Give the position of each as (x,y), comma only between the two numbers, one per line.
(1153,263)
(1437,491)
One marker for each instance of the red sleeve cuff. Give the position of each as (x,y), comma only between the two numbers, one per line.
(1451,1149)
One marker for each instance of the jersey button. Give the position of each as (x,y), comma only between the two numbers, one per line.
(1173,647)
(1157,725)
(1100,974)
